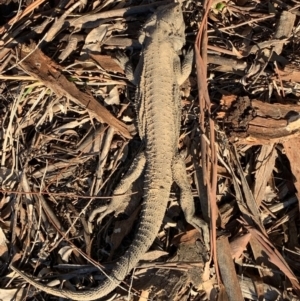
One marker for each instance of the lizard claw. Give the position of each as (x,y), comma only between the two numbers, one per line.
(125,64)
(186,66)
(103,210)
(121,58)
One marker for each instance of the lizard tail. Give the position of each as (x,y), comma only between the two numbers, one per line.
(151,217)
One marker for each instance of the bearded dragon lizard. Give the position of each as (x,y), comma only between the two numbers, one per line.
(158,75)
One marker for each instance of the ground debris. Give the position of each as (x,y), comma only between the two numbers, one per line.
(68,135)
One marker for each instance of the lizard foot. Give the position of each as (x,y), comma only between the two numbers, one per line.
(124,62)
(121,196)
(186,66)
(186,199)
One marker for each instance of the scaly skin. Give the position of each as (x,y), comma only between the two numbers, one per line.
(158,108)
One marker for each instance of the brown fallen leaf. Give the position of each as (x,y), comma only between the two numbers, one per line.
(188,237)
(238,245)
(107,63)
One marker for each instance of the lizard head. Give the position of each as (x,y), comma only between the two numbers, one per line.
(168,22)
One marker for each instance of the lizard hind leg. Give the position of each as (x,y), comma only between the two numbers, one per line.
(121,196)
(186,199)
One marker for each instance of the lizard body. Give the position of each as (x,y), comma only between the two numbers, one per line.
(159,75)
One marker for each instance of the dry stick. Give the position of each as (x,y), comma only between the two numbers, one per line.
(243,23)
(8,133)
(18,77)
(104,81)
(27,10)
(102,159)
(205,104)
(59,194)
(293,8)
(279,78)
(46,192)
(224,61)
(25,185)
(227,270)
(18,13)
(47,71)
(224,51)
(19,61)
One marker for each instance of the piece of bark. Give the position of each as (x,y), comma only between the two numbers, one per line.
(265,163)
(255,140)
(283,29)
(289,73)
(259,130)
(273,110)
(268,275)
(38,65)
(227,270)
(267,124)
(247,286)
(291,148)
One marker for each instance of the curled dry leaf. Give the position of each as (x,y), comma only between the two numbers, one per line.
(65,253)
(112,98)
